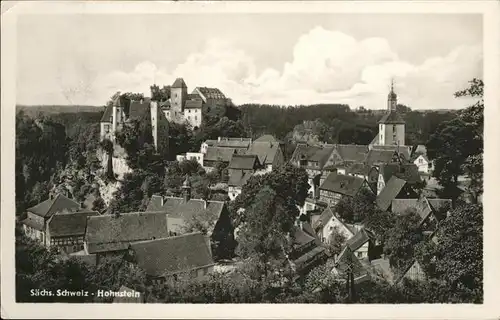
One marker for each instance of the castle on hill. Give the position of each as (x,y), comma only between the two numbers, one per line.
(175,105)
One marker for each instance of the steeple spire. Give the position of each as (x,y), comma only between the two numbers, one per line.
(392,98)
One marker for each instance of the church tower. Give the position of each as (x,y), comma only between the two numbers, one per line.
(178,97)
(392,125)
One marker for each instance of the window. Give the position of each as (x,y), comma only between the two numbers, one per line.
(420,160)
(195,117)
(360,254)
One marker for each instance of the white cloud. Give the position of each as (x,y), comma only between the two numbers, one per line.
(326,67)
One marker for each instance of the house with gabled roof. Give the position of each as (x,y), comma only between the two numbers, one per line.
(168,259)
(269,151)
(337,185)
(185,212)
(404,171)
(213,155)
(307,251)
(413,271)
(423,163)
(347,262)
(362,244)
(396,188)
(37,217)
(327,223)
(66,231)
(111,234)
(241,144)
(240,169)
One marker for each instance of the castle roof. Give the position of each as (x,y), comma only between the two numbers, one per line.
(179,83)
(392,117)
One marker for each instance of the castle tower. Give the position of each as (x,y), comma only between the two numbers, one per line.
(178,97)
(392,125)
(117,116)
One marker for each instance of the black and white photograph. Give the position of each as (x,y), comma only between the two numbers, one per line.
(263,157)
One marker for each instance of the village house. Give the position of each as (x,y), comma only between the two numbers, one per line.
(396,188)
(66,231)
(196,156)
(347,261)
(363,245)
(268,150)
(413,271)
(431,211)
(338,185)
(240,169)
(214,155)
(242,144)
(37,217)
(327,223)
(184,211)
(111,234)
(423,164)
(404,171)
(188,108)
(307,251)
(169,259)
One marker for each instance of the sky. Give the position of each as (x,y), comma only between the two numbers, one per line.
(272,58)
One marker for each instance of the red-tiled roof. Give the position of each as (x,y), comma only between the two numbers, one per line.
(166,256)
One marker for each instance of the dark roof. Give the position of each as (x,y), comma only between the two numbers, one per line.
(343,184)
(48,207)
(237,178)
(127,299)
(407,172)
(378,156)
(322,155)
(352,152)
(155,204)
(211,93)
(346,260)
(110,233)
(266,151)
(108,112)
(219,154)
(439,204)
(267,138)
(304,152)
(325,216)
(35,224)
(172,255)
(240,143)
(392,117)
(360,238)
(301,237)
(244,161)
(137,109)
(179,83)
(358,168)
(178,208)
(390,192)
(401,150)
(400,206)
(69,224)
(193,104)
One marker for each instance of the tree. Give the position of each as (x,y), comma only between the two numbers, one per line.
(380,223)
(402,239)
(457,146)
(336,241)
(358,208)
(457,257)
(263,236)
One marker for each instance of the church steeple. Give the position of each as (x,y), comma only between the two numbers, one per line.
(392,98)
